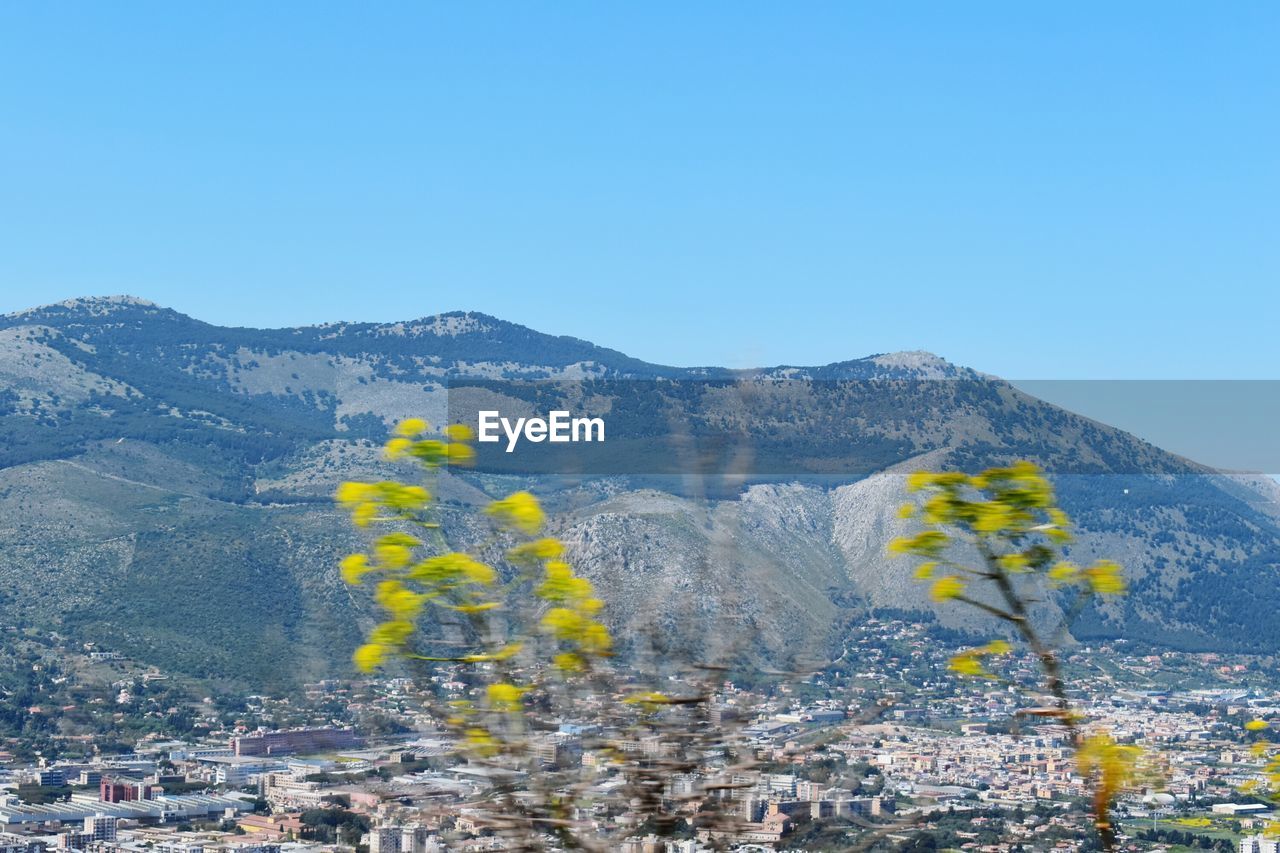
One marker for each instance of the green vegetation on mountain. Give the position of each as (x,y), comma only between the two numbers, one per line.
(166,489)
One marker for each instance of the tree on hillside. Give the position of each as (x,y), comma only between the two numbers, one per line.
(523,636)
(1008,518)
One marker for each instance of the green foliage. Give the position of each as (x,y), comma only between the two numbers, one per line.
(1009,517)
(418,576)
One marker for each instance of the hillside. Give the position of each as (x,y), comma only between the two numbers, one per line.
(164,485)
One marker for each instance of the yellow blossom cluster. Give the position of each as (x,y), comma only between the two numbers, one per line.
(407,580)
(1113,768)
(969,662)
(519,512)
(453,448)
(1265,750)
(1010,514)
(572,620)
(1008,517)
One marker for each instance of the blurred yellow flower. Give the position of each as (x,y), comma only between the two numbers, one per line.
(369,657)
(519,511)
(946,588)
(409,427)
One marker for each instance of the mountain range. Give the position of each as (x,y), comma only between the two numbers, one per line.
(165,491)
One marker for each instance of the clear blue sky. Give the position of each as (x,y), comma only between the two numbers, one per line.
(731,183)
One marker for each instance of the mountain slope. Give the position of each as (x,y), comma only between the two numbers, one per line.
(165,482)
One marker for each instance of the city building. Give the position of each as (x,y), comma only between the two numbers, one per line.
(100,827)
(118,789)
(295,740)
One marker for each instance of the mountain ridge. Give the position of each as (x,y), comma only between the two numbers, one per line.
(906,360)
